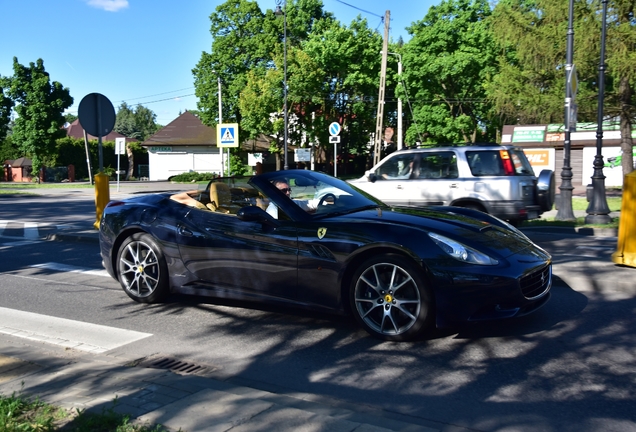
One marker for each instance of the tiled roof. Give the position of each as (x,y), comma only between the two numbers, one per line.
(185,130)
(75,130)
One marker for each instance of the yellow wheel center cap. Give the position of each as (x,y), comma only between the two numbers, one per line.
(141,269)
(388,298)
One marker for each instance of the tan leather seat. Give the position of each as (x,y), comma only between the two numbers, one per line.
(220,198)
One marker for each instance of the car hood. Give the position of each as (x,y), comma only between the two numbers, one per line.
(484,233)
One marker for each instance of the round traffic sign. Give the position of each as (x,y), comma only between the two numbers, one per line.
(96,114)
(334,129)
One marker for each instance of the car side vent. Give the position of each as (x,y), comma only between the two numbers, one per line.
(536,284)
(320,251)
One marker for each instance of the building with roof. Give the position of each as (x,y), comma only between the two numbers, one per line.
(543,145)
(184,145)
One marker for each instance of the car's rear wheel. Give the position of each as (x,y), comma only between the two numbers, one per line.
(389,298)
(142,269)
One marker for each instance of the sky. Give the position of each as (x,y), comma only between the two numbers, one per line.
(143,51)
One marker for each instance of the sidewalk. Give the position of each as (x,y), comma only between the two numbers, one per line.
(179,401)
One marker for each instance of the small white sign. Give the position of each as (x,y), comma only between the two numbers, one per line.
(334,139)
(302,155)
(334,129)
(120,146)
(254,158)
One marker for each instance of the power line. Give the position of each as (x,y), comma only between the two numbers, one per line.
(361,10)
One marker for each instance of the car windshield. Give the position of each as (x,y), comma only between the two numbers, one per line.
(317,194)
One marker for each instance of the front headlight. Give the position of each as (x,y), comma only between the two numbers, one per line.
(462,252)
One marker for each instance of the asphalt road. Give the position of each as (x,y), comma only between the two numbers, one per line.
(569,366)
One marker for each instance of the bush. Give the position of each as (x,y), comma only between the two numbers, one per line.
(193,176)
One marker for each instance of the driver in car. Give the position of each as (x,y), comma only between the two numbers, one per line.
(282,185)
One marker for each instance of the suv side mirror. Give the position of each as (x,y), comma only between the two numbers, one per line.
(371,176)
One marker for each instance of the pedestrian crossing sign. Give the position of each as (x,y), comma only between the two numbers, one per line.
(227,135)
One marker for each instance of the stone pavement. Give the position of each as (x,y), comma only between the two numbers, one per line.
(178,402)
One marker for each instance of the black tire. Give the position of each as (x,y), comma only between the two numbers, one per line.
(142,269)
(389,298)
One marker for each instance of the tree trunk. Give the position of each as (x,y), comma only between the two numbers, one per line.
(131,163)
(627,159)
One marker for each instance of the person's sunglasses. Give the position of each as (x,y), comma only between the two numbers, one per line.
(285,190)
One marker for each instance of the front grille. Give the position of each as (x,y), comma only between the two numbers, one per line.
(536,284)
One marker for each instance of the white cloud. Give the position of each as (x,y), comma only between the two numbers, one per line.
(109,5)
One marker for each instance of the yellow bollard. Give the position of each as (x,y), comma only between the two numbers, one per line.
(626,251)
(102,196)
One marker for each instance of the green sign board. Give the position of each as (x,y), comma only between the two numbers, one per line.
(160,149)
(528,135)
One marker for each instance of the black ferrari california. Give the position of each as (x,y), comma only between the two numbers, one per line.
(306,239)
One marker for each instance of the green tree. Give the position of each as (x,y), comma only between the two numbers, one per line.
(6,105)
(621,58)
(39,105)
(138,123)
(342,84)
(247,43)
(532,36)
(446,63)
(529,87)
(70,118)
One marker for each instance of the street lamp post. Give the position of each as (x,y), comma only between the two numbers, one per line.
(598,210)
(283,12)
(400,140)
(564,207)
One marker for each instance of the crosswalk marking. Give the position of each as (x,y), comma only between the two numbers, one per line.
(16,243)
(31,230)
(78,335)
(70,269)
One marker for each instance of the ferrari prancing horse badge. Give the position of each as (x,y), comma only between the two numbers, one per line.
(322,232)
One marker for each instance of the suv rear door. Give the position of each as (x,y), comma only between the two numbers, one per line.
(436,179)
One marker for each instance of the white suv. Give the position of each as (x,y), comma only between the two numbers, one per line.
(488,177)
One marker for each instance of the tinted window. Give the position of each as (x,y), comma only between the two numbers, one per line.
(399,166)
(485,163)
(441,165)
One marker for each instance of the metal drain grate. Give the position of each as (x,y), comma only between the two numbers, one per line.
(174,365)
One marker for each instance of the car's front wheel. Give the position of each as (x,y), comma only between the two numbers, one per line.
(142,269)
(390,299)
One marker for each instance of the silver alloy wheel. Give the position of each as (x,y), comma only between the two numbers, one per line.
(387,299)
(139,269)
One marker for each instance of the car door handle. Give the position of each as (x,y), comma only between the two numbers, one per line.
(399,186)
(185,232)
(453,186)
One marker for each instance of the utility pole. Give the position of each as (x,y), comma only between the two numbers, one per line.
(378,124)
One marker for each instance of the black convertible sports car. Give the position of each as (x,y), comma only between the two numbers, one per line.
(308,239)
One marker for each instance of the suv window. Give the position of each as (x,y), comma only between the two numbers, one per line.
(438,165)
(398,167)
(498,163)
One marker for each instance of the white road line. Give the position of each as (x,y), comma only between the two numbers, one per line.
(70,269)
(78,335)
(16,243)
(31,230)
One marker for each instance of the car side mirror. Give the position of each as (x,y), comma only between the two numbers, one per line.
(371,176)
(255,214)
